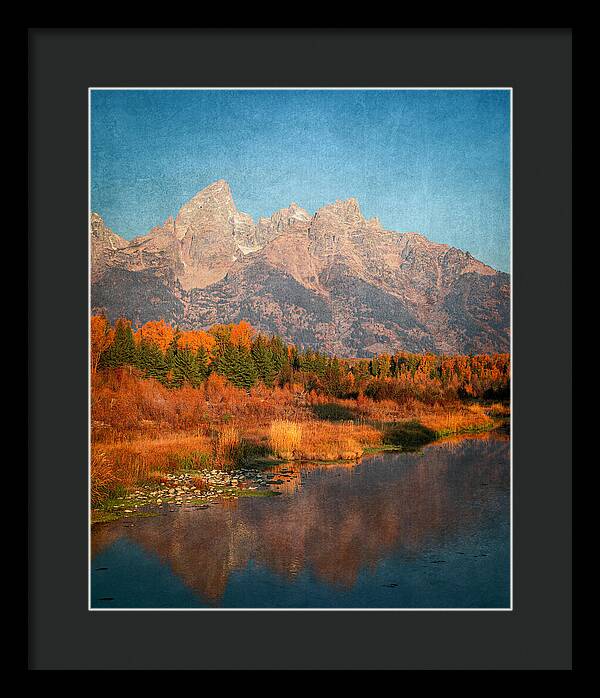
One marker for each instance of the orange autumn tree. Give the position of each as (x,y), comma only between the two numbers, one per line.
(239,335)
(157,332)
(101,337)
(242,334)
(197,339)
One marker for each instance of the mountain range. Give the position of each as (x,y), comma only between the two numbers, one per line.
(334,281)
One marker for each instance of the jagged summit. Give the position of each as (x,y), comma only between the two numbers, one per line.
(347,211)
(101,233)
(217,190)
(288,216)
(332,280)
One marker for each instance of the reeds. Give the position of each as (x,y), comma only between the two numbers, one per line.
(320,440)
(102,476)
(456,421)
(285,438)
(336,441)
(227,447)
(129,462)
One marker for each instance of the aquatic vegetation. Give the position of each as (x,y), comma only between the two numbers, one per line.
(409,435)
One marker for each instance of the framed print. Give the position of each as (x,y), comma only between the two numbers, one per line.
(299,319)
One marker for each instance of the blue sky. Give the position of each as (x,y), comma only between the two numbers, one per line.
(430,161)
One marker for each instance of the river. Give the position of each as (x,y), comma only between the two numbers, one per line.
(396,530)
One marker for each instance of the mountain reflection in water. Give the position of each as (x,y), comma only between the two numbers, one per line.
(333,529)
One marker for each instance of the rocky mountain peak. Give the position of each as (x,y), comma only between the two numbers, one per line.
(218,192)
(106,245)
(98,226)
(213,203)
(334,225)
(167,228)
(103,234)
(288,216)
(205,226)
(244,232)
(334,281)
(346,212)
(96,220)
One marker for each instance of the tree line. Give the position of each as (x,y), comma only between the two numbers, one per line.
(246,357)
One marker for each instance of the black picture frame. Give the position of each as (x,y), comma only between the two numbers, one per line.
(537,64)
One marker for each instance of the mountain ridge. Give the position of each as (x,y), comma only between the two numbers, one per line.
(332,280)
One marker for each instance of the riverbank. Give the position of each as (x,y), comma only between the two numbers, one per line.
(231,458)
(197,489)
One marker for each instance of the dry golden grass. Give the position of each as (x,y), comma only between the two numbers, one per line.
(498,410)
(227,446)
(102,475)
(336,441)
(285,438)
(321,440)
(471,418)
(143,459)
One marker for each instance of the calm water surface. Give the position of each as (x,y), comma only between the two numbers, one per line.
(397,530)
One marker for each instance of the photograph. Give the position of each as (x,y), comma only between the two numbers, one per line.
(300,342)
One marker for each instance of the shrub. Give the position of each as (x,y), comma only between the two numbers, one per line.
(200,484)
(333,412)
(409,435)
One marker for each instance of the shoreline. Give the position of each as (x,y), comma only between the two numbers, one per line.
(254,479)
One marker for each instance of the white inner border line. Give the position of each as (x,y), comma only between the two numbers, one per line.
(299,89)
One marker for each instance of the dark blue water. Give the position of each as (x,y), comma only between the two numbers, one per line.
(423,530)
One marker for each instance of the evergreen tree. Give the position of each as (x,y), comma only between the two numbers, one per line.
(237,366)
(152,361)
(185,368)
(314,362)
(172,350)
(247,374)
(123,350)
(294,361)
(321,362)
(306,361)
(279,353)
(374,367)
(361,370)
(332,380)
(263,361)
(285,377)
(203,362)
